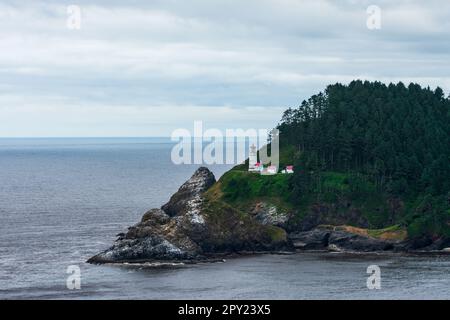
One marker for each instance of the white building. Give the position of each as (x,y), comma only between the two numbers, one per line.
(272,170)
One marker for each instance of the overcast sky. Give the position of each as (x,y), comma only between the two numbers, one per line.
(145,68)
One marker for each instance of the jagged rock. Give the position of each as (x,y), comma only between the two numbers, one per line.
(157,216)
(316,239)
(187,198)
(428,244)
(163,236)
(331,239)
(148,248)
(417,244)
(355,242)
(268,214)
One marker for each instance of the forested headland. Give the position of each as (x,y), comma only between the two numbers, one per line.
(365,154)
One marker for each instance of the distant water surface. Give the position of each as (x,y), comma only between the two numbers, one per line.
(63,200)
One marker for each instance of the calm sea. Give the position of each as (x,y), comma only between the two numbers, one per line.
(63,200)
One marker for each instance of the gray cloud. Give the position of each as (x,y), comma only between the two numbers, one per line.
(134,64)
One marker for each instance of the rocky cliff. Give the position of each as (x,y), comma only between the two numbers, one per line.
(190,227)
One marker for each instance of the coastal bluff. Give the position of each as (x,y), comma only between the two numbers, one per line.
(197,224)
(187,228)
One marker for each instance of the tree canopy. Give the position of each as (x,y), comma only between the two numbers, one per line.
(398,135)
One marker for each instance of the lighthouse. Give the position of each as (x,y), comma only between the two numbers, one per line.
(253,164)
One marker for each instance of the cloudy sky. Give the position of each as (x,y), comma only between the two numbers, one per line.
(145,68)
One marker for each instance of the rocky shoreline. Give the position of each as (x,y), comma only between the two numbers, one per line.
(188,229)
(335,239)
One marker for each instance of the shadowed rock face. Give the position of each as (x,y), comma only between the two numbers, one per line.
(325,238)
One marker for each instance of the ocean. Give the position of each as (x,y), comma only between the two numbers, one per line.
(63,200)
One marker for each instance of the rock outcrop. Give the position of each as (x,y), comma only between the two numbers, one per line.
(337,239)
(186,229)
(270,215)
(187,199)
(165,234)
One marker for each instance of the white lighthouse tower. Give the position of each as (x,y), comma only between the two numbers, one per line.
(253,164)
